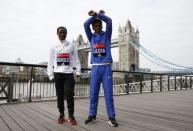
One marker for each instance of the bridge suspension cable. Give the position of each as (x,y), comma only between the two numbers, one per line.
(158,60)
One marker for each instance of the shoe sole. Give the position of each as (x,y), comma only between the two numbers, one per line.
(93,121)
(72,123)
(61,122)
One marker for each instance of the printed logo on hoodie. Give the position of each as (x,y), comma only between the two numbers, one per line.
(63,59)
(99,50)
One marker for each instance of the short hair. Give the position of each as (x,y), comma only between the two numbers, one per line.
(61,27)
(96,21)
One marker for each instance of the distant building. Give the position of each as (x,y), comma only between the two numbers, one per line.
(14,69)
(128,37)
(17,72)
(40,73)
(40,70)
(115,65)
(82,54)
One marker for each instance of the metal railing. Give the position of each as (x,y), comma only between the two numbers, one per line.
(33,86)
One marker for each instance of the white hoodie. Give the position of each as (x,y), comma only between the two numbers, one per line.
(62,57)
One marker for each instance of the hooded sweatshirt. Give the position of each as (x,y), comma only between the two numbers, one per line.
(63,56)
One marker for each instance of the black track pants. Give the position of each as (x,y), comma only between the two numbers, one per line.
(64,84)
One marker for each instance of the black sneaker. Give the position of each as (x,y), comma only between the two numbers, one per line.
(90,119)
(112,122)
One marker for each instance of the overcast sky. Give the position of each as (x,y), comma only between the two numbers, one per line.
(28,27)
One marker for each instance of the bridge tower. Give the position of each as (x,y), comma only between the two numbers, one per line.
(82,53)
(128,55)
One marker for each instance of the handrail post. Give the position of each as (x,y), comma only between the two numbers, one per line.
(127,87)
(186,83)
(10,89)
(151,82)
(30,86)
(175,82)
(168,83)
(160,83)
(181,84)
(190,82)
(141,85)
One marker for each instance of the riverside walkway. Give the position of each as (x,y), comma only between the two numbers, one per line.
(161,111)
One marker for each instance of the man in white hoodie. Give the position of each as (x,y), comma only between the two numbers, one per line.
(63,55)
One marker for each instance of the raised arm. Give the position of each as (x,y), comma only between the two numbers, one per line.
(108,22)
(88,22)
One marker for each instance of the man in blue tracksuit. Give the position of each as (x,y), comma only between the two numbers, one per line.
(101,60)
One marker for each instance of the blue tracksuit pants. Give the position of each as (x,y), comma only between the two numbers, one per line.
(101,73)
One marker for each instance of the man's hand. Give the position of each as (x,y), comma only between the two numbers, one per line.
(51,77)
(92,13)
(102,12)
